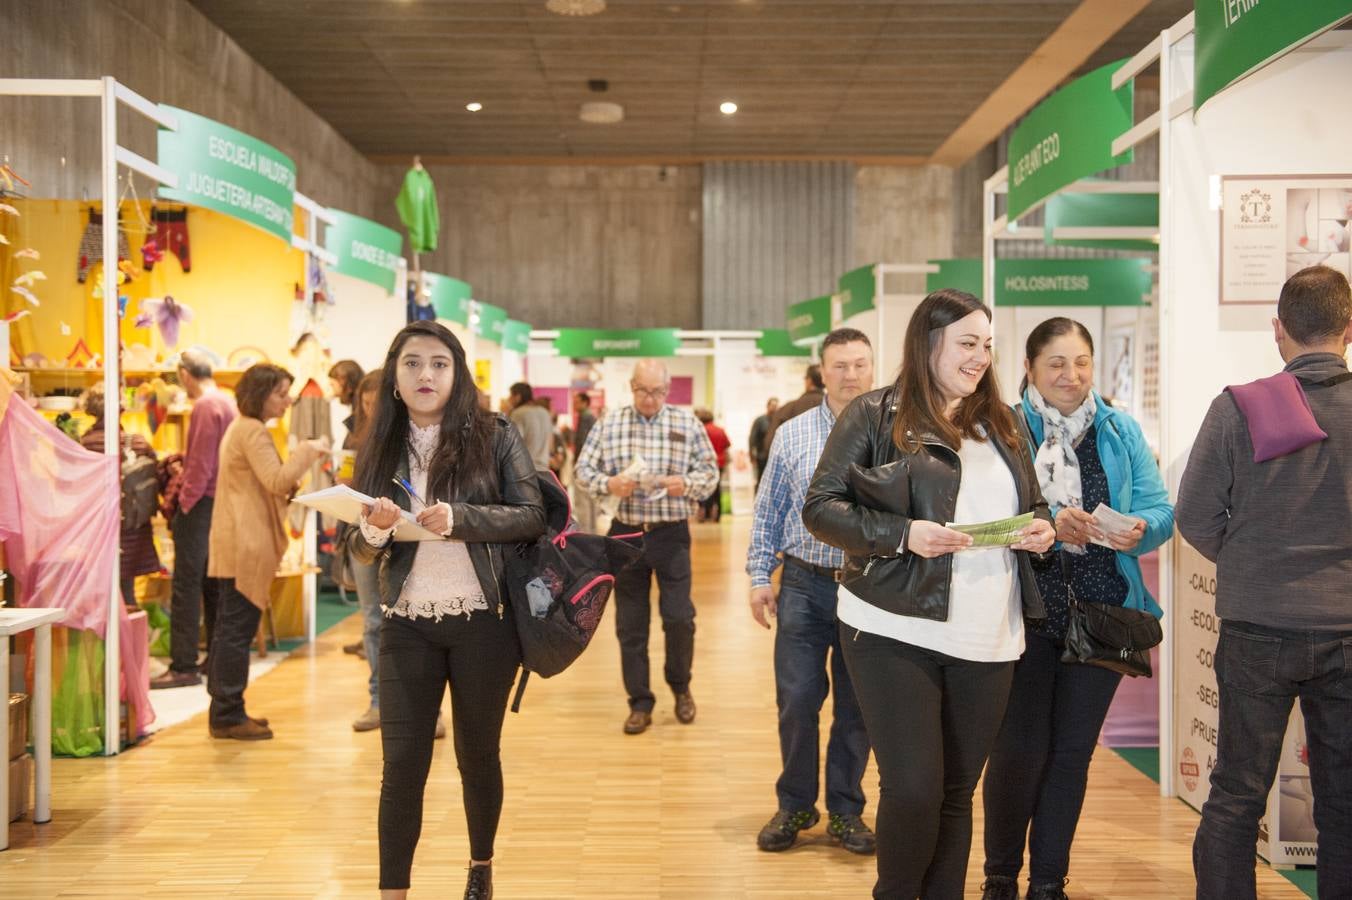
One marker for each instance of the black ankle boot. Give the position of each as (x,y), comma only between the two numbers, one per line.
(1000,887)
(479,885)
(1053,891)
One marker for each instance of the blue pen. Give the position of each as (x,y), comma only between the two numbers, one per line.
(408,489)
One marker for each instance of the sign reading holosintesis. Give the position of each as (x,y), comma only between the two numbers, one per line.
(1071,282)
(228,171)
(1067,137)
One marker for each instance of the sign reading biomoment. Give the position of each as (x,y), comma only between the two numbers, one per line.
(1068,136)
(1236,37)
(1071,282)
(229,171)
(592,344)
(365,249)
(809,320)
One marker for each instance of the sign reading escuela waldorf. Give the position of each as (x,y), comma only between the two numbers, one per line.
(1067,137)
(229,171)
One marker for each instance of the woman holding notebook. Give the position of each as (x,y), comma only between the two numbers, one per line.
(930,624)
(1086,454)
(465,475)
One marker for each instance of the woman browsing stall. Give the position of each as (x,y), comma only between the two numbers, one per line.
(930,628)
(464,473)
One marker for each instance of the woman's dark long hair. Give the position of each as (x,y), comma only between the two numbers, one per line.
(920,406)
(463,466)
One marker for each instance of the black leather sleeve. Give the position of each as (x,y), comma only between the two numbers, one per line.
(830,511)
(521,514)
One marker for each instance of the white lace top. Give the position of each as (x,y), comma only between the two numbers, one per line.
(442,581)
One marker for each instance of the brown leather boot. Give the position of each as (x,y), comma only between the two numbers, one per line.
(248,730)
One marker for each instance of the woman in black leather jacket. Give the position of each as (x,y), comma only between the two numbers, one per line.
(433,455)
(930,624)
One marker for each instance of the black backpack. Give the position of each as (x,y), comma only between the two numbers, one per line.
(140,491)
(559,586)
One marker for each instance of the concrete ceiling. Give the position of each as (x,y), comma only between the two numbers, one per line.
(851,79)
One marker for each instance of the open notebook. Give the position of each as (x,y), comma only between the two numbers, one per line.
(341,502)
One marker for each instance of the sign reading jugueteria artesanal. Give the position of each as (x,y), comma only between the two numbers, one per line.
(450,297)
(1071,282)
(365,249)
(858,286)
(776,342)
(516,336)
(959,274)
(591,344)
(1236,37)
(1102,211)
(229,171)
(492,322)
(809,320)
(1067,137)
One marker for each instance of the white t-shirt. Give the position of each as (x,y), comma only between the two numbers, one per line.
(985,610)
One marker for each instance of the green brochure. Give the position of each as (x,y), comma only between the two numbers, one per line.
(1000,533)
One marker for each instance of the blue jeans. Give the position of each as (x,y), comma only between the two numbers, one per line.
(805,634)
(368,597)
(1261,671)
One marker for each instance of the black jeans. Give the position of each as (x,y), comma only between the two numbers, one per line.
(1040,764)
(236,624)
(1260,672)
(194,592)
(666,554)
(478,656)
(931,719)
(805,637)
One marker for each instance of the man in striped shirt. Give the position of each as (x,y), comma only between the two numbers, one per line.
(679,470)
(806,610)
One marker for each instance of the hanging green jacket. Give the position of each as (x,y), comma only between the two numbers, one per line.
(417,205)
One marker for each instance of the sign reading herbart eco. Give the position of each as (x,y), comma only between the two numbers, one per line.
(229,171)
(1067,137)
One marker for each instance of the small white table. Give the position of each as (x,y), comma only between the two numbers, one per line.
(13,621)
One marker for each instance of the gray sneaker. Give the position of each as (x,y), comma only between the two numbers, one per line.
(367,721)
(782,829)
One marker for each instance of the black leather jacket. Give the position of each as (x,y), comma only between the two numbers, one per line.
(518,517)
(920,486)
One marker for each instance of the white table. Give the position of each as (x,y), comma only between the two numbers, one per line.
(13,621)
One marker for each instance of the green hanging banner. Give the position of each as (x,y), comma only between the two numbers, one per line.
(776,342)
(1071,282)
(229,171)
(1102,211)
(365,249)
(1237,37)
(959,274)
(1067,137)
(450,297)
(515,336)
(859,287)
(492,322)
(592,343)
(809,320)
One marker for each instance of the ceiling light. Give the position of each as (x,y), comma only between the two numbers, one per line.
(474,107)
(601,113)
(727,107)
(575,7)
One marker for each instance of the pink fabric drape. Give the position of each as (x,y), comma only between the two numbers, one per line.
(60,510)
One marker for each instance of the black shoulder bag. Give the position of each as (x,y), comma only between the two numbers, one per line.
(1108,636)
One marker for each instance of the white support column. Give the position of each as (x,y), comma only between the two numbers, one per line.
(112,667)
(42,723)
(309,555)
(1166,598)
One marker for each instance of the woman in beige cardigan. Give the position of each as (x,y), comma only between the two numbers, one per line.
(248,539)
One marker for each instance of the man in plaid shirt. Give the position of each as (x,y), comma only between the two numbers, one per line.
(679,471)
(806,610)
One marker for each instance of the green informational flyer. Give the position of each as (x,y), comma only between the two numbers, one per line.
(1000,533)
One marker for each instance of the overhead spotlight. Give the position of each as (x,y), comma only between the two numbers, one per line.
(601,113)
(576,7)
(727,107)
(474,107)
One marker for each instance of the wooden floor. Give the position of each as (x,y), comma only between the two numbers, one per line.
(590,812)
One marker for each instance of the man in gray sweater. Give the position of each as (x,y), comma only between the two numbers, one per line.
(1280,533)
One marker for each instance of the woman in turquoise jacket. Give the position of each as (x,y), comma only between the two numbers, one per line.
(1086,453)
